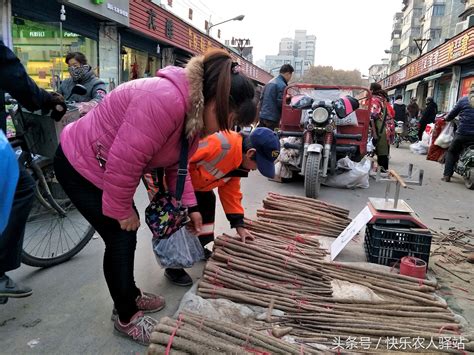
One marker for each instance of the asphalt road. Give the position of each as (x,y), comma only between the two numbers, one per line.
(69,311)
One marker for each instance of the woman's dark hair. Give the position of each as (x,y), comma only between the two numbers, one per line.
(376,89)
(81,58)
(231,90)
(398,97)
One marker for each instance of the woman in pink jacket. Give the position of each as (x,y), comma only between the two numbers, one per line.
(136,128)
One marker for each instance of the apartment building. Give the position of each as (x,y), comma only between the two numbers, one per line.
(298,51)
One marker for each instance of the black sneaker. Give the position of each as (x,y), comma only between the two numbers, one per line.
(207,254)
(8,288)
(178,277)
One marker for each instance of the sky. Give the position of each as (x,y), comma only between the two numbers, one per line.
(351,34)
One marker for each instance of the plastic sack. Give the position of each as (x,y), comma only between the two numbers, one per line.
(356,175)
(349,120)
(8,179)
(419,148)
(446,136)
(181,250)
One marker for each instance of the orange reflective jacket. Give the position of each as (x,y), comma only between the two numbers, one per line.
(218,155)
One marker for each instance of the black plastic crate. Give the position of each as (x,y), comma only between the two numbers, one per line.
(386,246)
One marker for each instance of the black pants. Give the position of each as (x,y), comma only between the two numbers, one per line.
(11,240)
(382,160)
(268,123)
(422,128)
(120,245)
(452,156)
(207,207)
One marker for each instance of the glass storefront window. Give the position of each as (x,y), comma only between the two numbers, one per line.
(442,94)
(38,45)
(137,64)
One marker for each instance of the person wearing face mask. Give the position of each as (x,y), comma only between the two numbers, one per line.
(82,73)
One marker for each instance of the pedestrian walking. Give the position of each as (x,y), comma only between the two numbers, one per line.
(138,127)
(220,162)
(413,109)
(15,81)
(380,114)
(428,116)
(400,110)
(271,100)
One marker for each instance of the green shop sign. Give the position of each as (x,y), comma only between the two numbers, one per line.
(97,2)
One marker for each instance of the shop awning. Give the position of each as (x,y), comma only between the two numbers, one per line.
(391,92)
(433,77)
(412,86)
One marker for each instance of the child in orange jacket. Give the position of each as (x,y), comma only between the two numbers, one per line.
(221,160)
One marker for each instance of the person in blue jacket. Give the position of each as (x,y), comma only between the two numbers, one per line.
(15,81)
(464,136)
(271,100)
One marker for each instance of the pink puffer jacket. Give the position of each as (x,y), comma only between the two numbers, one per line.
(138,127)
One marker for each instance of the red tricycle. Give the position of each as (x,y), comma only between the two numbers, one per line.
(319,125)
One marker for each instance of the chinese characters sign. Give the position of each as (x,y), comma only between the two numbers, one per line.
(458,48)
(159,24)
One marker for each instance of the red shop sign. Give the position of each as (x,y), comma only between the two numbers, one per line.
(156,22)
(456,49)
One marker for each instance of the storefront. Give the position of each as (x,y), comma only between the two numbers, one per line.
(443,73)
(177,40)
(140,57)
(43,32)
(39,47)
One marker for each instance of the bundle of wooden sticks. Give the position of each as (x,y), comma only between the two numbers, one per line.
(297,214)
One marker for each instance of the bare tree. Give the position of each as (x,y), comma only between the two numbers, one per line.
(327,75)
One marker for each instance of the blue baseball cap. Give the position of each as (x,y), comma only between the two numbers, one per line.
(267,145)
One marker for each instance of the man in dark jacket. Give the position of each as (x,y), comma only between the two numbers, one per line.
(428,116)
(271,100)
(400,109)
(15,81)
(464,134)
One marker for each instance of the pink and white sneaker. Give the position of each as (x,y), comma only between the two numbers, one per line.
(139,328)
(147,303)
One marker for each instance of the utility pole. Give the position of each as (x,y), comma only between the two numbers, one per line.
(240,43)
(421,44)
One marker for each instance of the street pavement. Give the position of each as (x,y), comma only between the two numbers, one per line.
(69,311)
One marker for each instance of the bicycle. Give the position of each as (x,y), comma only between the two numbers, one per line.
(55,230)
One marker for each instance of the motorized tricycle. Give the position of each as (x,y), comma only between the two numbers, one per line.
(319,125)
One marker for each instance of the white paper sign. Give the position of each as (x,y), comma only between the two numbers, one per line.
(351,230)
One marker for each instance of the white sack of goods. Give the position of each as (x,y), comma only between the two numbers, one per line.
(419,148)
(351,175)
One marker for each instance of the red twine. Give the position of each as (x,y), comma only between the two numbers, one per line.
(170,341)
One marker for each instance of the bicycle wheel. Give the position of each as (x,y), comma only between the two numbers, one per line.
(52,237)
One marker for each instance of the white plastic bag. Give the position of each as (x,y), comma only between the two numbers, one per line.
(419,148)
(355,176)
(181,250)
(446,136)
(350,120)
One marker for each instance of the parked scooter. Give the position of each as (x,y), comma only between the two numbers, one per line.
(465,166)
(407,134)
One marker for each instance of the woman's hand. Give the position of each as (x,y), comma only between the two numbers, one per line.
(131,223)
(195,224)
(244,234)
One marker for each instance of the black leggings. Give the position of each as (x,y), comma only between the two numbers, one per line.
(120,245)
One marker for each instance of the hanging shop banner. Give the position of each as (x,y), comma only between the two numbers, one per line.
(456,49)
(115,10)
(155,22)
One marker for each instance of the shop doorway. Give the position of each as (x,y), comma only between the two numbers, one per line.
(138,64)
